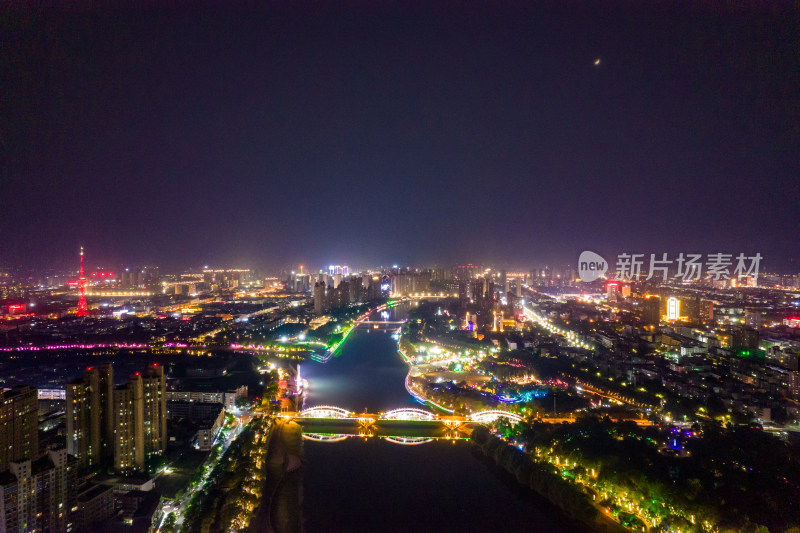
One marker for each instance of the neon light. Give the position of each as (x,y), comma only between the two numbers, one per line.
(408,441)
(325,411)
(324,437)
(409,413)
(492,415)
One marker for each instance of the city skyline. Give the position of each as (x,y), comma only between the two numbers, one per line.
(691,267)
(393,266)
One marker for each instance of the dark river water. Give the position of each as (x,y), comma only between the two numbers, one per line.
(371,484)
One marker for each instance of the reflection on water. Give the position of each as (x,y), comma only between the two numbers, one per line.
(408,441)
(386,428)
(326,437)
(368,484)
(339,437)
(367,374)
(400,480)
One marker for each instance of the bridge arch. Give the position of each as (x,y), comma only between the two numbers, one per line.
(408,441)
(325,411)
(409,413)
(486,417)
(324,437)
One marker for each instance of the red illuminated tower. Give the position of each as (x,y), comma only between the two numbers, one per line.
(83,309)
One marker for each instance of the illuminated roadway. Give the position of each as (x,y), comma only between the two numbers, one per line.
(242,419)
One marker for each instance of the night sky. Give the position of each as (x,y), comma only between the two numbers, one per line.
(379,133)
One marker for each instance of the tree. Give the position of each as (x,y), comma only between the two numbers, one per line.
(242,402)
(169,523)
(481,435)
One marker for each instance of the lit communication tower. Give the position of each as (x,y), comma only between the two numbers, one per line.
(83,309)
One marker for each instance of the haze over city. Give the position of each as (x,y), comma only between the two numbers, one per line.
(379,134)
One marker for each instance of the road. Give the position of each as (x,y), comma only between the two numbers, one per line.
(242,418)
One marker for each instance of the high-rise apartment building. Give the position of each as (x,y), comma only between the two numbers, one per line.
(140,419)
(673,309)
(37,495)
(90,421)
(745,338)
(463,292)
(356,290)
(477,290)
(706,310)
(120,427)
(651,310)
(342,270)
(129,426)
(612,291)
(83,419)
(154,384)
(19,425)
(320,304)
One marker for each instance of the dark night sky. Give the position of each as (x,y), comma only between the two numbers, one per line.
(378,133)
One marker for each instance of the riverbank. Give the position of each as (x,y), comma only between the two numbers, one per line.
(232,489)
(367,376)
(545,481)
(375,484)
(280,508)
(326,355)
(417,395)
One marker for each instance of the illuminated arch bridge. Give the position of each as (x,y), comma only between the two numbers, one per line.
(329,411)
(325,411)
(486,417)
(407,413)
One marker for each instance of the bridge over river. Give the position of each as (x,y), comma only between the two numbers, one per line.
(329,415)
(407,425)
(364,482)
(414,415)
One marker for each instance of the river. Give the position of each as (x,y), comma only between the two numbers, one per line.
(374,485)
